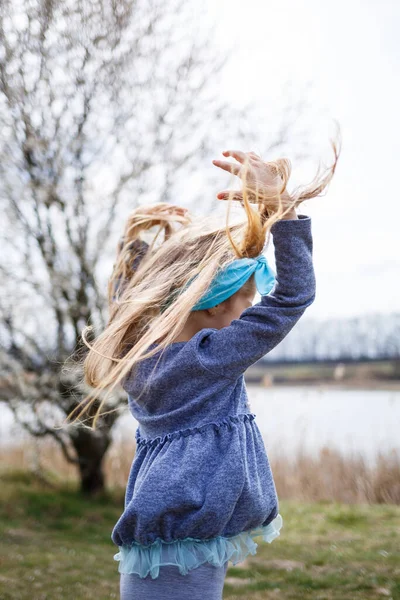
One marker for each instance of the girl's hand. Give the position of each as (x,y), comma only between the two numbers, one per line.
(261,180)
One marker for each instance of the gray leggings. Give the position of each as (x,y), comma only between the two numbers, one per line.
(203,583)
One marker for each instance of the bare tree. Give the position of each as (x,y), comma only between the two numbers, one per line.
(101,102)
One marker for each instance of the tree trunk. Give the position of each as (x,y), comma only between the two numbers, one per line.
(90,447)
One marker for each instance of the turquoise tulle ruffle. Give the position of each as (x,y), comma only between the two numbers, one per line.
(190,553)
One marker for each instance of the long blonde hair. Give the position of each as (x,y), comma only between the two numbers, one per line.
(157,299)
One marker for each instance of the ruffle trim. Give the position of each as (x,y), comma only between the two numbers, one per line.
(189,553)
(227,422)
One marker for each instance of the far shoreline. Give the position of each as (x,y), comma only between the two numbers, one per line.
(366,385)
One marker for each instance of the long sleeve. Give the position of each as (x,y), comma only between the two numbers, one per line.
(138,248)
(229,351)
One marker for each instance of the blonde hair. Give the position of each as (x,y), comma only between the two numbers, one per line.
(141,316)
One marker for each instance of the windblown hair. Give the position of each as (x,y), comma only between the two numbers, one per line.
(157,299)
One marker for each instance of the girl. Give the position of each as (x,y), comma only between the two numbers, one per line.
(182,331)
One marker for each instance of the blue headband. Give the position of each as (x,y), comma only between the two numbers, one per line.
(234,276)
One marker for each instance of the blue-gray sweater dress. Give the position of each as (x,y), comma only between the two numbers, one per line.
(201,488)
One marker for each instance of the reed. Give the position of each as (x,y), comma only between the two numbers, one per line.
(334,476)
(330,475)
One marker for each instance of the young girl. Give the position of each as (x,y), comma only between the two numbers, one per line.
(182,331)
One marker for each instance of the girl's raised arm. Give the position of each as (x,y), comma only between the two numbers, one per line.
(229,351)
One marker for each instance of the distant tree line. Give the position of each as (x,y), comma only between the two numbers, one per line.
(371,336)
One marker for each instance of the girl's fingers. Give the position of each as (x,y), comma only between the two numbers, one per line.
(227,166)
(236,195)
(240,156)
(233,194)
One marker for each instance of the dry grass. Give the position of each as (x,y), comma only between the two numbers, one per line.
(334,476)
(329,476)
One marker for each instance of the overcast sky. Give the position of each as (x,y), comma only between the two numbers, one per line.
(350,52)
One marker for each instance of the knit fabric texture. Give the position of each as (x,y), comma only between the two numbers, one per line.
(201,473)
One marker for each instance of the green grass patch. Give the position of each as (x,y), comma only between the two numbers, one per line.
(54,543)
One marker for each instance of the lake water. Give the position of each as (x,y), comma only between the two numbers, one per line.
(360,421)
(364,421)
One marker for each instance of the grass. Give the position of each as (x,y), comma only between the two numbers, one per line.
(55,544)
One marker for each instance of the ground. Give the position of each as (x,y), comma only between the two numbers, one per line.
(55,544)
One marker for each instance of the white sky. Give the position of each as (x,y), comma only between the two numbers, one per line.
(350,52)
